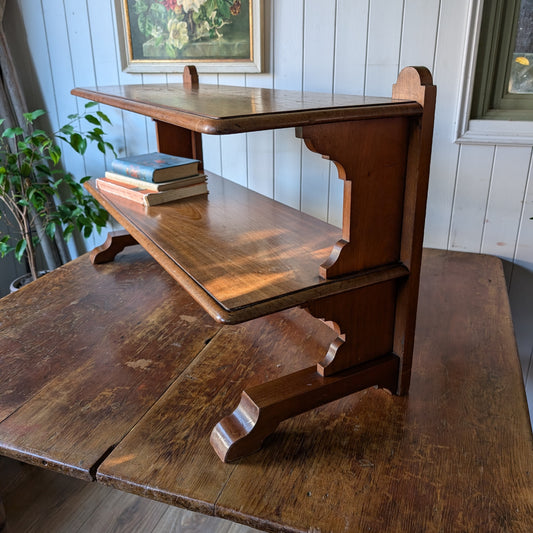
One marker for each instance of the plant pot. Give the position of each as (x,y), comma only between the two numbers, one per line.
(23,280)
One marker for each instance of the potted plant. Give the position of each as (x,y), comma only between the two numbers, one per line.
(37,196)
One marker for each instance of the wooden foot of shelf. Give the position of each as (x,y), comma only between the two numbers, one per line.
(263,407)
(116,242)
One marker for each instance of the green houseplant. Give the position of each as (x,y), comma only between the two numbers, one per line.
(37,196)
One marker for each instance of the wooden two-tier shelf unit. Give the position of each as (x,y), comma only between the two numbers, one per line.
(241,255)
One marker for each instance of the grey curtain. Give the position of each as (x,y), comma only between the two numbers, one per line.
(12,107)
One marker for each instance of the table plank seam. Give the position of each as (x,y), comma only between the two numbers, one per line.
(109,451)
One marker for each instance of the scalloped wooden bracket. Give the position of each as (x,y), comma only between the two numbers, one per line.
(263,407)
(364,319)
(116,242)
(370,158)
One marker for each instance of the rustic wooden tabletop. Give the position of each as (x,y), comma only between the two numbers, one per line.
(111,372)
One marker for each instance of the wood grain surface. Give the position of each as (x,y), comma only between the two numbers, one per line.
(370,157)
(85,352)
(226,109)
(238,253)
(454,455)
(169,456)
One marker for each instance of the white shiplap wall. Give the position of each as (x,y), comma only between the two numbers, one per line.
(480,197)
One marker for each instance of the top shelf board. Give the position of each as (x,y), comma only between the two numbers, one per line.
(225,109)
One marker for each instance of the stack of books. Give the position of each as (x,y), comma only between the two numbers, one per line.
(154,179)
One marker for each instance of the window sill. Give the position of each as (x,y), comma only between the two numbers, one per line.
(508,132)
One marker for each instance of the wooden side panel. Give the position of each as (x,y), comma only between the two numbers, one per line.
(371,158)
(174,140)
(364,320)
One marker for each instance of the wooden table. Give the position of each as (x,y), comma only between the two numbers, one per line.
(129,398)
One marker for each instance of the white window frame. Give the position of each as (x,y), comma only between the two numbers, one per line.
(509,131)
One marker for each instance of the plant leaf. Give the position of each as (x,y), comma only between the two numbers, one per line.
(92,119)
(9,133)
(20,248)
(34,115)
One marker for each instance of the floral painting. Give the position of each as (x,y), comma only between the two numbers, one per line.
(169,32)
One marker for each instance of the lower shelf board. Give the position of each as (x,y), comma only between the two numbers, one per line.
(239,254)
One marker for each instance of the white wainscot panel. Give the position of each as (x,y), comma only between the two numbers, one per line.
(287,45)
(521,288)
(384,31)
(447,77)
(509,178)
(287,167)
(420,23)
(261,162)
(471,195)
(351,46)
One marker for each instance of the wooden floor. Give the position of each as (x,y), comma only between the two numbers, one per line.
(38,500)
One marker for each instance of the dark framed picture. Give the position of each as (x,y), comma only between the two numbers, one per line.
(166,35)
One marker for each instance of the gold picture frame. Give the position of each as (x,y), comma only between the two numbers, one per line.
(215,35)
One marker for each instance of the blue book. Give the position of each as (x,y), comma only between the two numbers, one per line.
(156,167)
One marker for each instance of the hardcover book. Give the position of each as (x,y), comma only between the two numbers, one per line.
(162,186)
(155,167)
(146,196)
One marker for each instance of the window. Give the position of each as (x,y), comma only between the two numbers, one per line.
(503,86)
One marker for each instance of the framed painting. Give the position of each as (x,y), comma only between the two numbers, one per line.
(214,35)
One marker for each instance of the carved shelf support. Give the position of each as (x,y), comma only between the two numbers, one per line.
(370,158)
(387,153)
(263,407)
(175,140)
(116,242)
(364,319)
